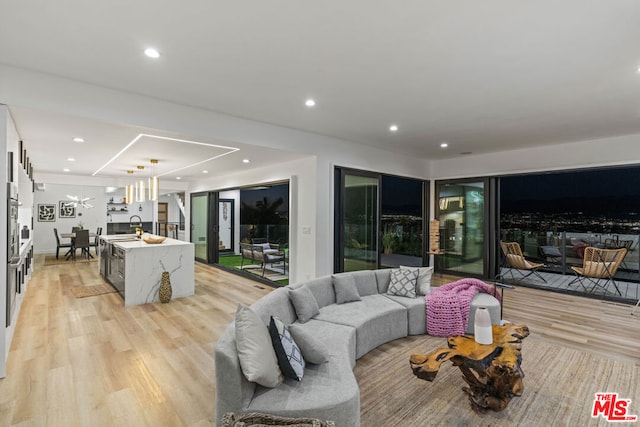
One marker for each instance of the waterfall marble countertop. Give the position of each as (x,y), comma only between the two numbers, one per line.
(144,264)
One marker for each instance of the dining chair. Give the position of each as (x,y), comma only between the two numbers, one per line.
(96,241)
(81,241)
(60,245)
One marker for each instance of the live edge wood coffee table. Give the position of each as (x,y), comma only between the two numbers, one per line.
(499,376)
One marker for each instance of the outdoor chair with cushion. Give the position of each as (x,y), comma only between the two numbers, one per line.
(258,254)
(516,263)
(599,267)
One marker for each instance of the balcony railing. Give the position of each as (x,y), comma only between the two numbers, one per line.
(559,251)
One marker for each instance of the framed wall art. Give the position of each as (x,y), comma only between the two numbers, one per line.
(66,211)
(46,212)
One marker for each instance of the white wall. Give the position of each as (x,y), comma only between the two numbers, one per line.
(44,241)
(9,141)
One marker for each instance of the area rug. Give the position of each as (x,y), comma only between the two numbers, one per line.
(51,260)
(93,290)
(560,385)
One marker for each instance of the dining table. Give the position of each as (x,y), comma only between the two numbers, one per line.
(72,249)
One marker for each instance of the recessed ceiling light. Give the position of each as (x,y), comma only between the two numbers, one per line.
(393,128)
(178,177)
(246,161)
(152,53)
(66,170)
(78,139)
(205,171)
(71,159)
(444,145)
(310,102)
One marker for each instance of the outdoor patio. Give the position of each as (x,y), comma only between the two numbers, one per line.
(562,283)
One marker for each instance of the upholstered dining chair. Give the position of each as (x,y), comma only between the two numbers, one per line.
(599,267)
(81,241)
(60,245)
(95,243)
(516,262)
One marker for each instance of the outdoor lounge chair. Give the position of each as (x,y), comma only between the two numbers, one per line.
(515,262)
(599,266)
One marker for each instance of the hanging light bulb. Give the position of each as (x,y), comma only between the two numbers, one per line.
(153,182)
(129,190)
(140,190)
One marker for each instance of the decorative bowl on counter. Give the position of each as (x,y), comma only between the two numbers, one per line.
(153,240)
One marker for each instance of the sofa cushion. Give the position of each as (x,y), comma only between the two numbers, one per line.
(345,288)
(304,303)
(313,350)
(416,313)
(255,351)
(276,303)
(287,351)
(403,282)
(365,282)
(423,285)
(382,277)
(327,391)
(322,290)
(376,318)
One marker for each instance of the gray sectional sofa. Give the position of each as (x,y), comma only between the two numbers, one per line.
(329,390)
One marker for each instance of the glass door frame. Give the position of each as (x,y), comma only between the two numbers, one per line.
(338,220)
(212,227)
(339,238)
(231,249)
(490,245)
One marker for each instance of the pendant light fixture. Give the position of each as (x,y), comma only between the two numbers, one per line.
(129,191)
(140,188)
(154,184)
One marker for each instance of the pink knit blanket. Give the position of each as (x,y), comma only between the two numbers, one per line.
(448,306)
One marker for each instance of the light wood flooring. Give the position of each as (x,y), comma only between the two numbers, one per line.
(93,362)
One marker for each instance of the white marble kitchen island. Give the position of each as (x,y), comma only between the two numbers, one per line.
(135,268)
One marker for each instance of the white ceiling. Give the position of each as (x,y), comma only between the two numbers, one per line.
(483,76)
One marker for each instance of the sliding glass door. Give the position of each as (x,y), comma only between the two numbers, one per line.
(360,222)
(204,226)
(378,220)
(463,213)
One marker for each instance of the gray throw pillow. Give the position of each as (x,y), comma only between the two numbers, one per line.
(423,286)
(255,350)
(287,351)
(304,302)
(313,350)
(403,282)
(346,290)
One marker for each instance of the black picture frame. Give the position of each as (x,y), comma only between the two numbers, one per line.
(46,212)
(66,211)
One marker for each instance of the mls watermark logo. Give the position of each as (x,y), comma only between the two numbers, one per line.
(612,408)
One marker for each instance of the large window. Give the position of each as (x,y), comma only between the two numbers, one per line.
(554,216)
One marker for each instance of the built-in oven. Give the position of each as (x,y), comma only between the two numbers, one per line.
(13,250)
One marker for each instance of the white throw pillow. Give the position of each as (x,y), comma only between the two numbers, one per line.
(423,285)
(255,350)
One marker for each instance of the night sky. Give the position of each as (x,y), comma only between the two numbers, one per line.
(605,191)
(250,197)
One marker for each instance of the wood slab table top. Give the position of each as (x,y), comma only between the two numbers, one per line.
(499,375)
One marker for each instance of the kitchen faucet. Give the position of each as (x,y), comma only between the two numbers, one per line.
(132,225)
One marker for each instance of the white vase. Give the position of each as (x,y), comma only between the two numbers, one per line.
(482,326)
